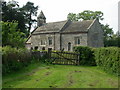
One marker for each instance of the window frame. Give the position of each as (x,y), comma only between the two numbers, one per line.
(42,42)
(50,41)
(77,40)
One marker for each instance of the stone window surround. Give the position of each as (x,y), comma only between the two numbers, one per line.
(50,41)
(42,42)
(77,40)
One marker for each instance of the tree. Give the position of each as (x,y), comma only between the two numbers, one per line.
(113,41)
(11,12)
(108,32)
(29,10)
(85,15)
(24,15)
(72,17)
(11,35)
(90,15)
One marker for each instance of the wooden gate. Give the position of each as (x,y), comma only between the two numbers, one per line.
(62,57)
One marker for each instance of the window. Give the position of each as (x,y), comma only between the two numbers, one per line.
(77,40)
(36,47)
(69,46)
(42,42)
(31,48)
(50,40)
(43,48)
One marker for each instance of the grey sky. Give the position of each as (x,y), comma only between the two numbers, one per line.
(57,10)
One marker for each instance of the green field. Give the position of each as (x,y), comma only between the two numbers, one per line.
(60,76)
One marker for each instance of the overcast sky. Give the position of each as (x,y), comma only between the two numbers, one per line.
(57,10)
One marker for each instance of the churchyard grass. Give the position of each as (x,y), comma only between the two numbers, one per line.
(60,76)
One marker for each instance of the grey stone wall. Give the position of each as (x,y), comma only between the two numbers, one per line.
(95,35)
(66,38)
(36,41)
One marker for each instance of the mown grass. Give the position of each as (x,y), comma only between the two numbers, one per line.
(60,76)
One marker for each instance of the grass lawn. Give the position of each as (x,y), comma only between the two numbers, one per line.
(60,76)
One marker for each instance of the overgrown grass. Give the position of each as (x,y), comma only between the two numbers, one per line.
(60,76)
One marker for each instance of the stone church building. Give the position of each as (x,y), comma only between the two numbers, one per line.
(65,34)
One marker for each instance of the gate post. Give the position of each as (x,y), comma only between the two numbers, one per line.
(49,53)
(78,59)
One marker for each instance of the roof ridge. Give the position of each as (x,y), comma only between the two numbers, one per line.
(82,20)
(55,22)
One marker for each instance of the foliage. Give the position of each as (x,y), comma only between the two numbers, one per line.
(29,10)
(11,12)
(90,15)
(11,35)
(23,15)
(72,17)
(85,15)
(39,55)
(14,59)
(86,55)
(108,32)
(108,58)
(114,40)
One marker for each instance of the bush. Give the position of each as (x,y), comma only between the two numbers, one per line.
(108,58)
(86,55)
(14,59)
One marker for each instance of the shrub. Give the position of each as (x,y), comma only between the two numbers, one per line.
(86,55)
(108,58)
(14,59)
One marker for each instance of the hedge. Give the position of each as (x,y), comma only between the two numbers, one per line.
(14,59)
(108,59)
(86,55)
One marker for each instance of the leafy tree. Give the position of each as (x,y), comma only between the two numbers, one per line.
(113,41)
(11,35)
(29,10)
(11,12)
(90,15)
(72,17)
(108,32)
(85,15)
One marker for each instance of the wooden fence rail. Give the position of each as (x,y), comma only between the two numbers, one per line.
(59,57)
(62,57)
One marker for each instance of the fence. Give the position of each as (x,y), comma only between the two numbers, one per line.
(59,57)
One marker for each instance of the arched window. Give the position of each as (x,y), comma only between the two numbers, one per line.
(69,46)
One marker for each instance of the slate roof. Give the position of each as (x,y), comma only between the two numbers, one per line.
(50,27)
(73,26)
(78,26)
